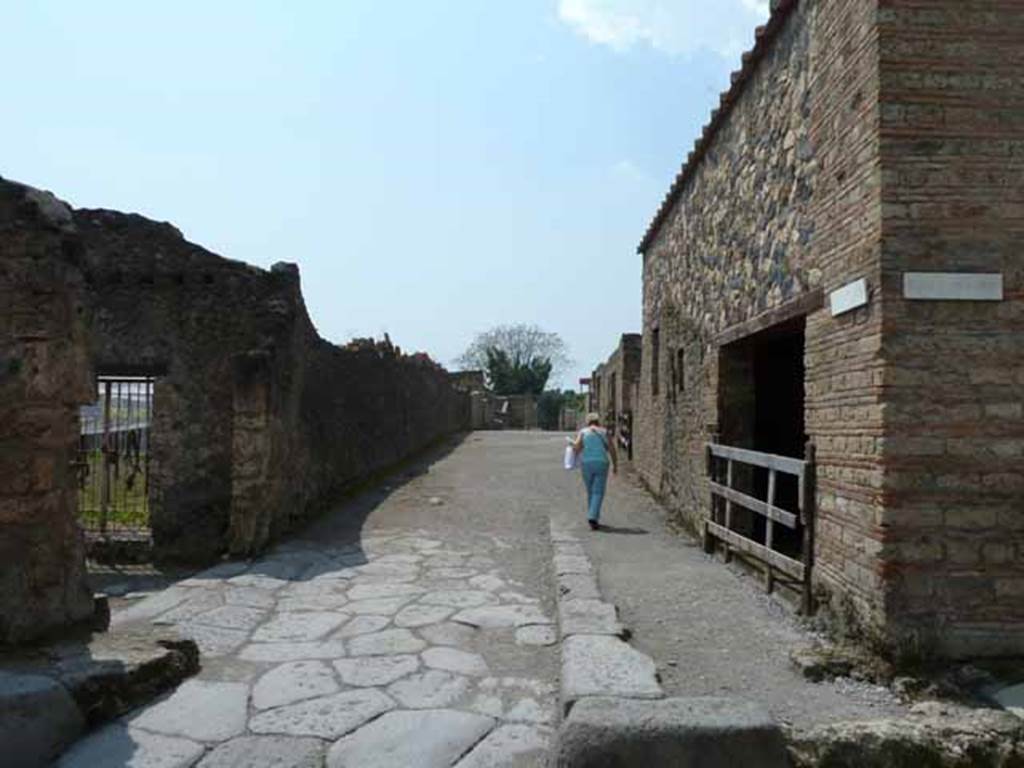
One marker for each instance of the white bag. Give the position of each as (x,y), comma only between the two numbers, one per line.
(570,456)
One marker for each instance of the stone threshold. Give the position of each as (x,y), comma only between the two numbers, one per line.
(52,695)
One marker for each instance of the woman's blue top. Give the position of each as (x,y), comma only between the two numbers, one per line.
(595,447)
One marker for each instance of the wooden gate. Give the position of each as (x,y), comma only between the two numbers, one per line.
(719,529)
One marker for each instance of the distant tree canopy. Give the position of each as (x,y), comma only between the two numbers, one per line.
(517,359)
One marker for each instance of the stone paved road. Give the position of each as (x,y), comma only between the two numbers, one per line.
(411,626)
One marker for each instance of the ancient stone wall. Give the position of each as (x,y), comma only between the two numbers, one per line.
(44,377)
(258,422)
(779,205)
(952,147)
(618,385)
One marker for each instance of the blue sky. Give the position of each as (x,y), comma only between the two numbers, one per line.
(435,168)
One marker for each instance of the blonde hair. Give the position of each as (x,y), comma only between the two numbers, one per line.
(593,418)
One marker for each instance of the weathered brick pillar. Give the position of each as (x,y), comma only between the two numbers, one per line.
(44,376)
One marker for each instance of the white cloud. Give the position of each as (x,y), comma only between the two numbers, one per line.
(675,27)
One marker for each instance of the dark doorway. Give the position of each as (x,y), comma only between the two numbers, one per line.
(761,407)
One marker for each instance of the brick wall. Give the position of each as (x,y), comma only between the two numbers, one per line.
(44,377)
(861,140)
(952,147)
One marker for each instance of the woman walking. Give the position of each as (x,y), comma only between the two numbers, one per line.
(596,452)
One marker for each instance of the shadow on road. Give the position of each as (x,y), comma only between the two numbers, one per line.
(623,531)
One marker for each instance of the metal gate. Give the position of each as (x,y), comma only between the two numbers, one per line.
(113,459)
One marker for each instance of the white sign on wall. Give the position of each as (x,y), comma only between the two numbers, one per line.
(952,286)
(850,296)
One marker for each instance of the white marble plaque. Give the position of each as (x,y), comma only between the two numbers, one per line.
(952,286)
(850,296)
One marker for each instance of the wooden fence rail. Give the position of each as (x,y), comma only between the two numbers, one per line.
(718,529)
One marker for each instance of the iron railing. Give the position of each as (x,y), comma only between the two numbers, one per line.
(113,463)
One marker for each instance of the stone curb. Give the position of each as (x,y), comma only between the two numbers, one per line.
(596,659)
(614,710)
(702,732)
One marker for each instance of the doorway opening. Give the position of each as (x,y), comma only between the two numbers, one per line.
(761,407)
(114,459)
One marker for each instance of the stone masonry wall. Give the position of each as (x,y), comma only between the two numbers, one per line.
(619,383)
(862,140)
(258,422)
(163,305)
(44,377)
(780,206)
(952,146)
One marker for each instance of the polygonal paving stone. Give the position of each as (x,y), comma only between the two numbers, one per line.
(493,616)
(451,572)
(376,670)
(284,652)
(433,688)
(259,581)
(588,617)
(117,746)
(362,625)
(458,598)
(536,634)
(488,704)
(200,601)
(430,739)
(216,575)
(422,615)
(518,598)
(423,544)
(153,606)
(232,617)
(394,571)
(266,752)
(292,682)
(383,589)
(454,660)
(213,641)
(386,643)
(530,711)
(381,606)
(249,596)
(329,717)
(448,634)
(299,626)
(311,603)
(408,559)
(488,581)
(509,746)
(200,710)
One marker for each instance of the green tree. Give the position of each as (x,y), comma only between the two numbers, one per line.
(551,403)
(517,359)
